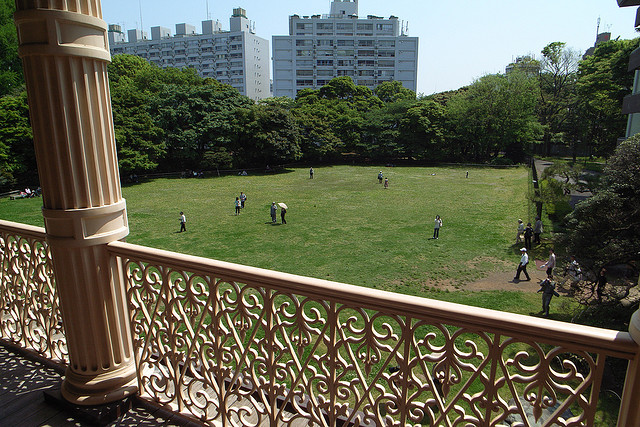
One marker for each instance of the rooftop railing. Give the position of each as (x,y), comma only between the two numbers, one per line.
(239,345)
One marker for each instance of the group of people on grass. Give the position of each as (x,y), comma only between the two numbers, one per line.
(548,285)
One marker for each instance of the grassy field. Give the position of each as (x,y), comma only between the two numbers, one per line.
(342,225)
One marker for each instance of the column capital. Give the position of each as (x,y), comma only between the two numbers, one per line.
(61,33)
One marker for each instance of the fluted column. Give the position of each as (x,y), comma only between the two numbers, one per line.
(64,49)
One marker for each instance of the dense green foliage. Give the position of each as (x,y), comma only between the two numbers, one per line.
(605,229)
(10,66)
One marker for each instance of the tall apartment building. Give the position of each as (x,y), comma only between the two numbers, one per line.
(319,48)
(237,57)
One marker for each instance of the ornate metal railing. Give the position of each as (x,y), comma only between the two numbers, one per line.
(244,346)
(29,307)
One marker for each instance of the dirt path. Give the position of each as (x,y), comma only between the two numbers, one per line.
(503,281)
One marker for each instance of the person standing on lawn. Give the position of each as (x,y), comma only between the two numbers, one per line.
(243,198)
(520,231)
(283,212)
(311,173)
(522,267)
(528,232)
(238,205)
(274,208)
(436,227)
(183,222)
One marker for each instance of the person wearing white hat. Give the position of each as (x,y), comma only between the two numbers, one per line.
(522,267)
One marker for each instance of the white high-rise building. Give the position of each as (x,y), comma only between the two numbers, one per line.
(237,57)
(319,48)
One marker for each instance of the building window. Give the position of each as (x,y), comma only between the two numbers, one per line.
(325,42)
(324,26)
(304,73)
(365,27)
(346,62)
(345,42)
(304,63)
(386,28)
(387,43)
(304,42)
(325,62)
(305,52)
(365,42)
(325,53)
(386,63)
(344,27)
(366,63)
(366,53)
(301,82)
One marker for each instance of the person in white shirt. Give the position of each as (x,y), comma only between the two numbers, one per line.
(183,222)
(522,267)
(550,264)
(436,227)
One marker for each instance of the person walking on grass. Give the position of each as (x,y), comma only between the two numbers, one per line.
(274,208)
(522,267)
(436,227)
(183,222)
(380,177)
(243,198)
(311,173)
(386,183)
(283,212)
(238,205)
(550,264)
(548,289)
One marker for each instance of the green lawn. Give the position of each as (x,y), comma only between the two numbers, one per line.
(342,225)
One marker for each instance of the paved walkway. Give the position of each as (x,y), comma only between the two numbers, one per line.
(576,196)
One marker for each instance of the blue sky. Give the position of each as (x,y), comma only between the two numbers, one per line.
(459,40)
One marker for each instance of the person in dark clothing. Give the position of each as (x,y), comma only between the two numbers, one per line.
(528,232)
(537,231)
(548,289)
(283,212)
(602,282)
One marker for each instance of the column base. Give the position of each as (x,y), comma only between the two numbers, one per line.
(89,390)
(101,415)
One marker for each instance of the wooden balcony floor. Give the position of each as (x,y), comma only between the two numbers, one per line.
(22,402)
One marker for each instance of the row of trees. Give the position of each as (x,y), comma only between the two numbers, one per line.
(167,120)
(171,119)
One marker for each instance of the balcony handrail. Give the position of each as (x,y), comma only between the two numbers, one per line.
(572,336)
(23,229)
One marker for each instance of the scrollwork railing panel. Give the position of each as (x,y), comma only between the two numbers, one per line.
(30,314)
(245,346)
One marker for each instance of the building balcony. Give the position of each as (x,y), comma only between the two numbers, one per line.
(223,343)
